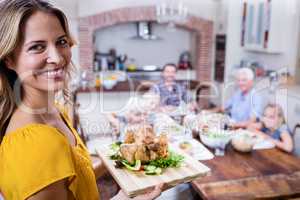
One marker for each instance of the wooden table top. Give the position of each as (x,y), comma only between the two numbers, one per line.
(261,174)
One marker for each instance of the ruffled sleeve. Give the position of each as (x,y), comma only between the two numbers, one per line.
(32,158)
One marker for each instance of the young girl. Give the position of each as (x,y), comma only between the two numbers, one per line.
(274,128)
(41,155)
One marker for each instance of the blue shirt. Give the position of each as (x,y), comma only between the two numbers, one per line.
(171,97)
(242,107)
(277,133)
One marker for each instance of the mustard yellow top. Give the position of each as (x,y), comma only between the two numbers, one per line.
(37,155)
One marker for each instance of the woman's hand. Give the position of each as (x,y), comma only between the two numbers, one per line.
(148,196)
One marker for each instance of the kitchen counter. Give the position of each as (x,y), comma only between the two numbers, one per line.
(117,99)
(135,85)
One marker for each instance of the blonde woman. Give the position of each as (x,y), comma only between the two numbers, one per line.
(274,128)
(41,155)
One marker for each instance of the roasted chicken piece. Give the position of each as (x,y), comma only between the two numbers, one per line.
(163,146)
(129,137)
(144,135)
(147,145)
(139,134)
(128,152)
(153,155)
(142,153)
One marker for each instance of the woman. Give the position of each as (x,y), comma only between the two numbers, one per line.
(41,155)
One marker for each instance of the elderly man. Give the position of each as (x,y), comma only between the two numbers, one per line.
(171,93)
(245,106)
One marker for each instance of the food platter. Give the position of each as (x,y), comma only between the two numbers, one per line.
(136,182)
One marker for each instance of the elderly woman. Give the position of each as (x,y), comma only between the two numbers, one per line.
(245,106)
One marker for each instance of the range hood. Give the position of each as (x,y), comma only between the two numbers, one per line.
(144,32)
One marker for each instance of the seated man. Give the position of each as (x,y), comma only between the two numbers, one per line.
(245,106)
(171,93)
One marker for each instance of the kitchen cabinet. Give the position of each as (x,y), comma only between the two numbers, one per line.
(263,25)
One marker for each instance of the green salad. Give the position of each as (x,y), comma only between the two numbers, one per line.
(217,134)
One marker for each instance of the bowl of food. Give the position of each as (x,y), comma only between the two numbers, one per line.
(212,121)
(216,139)
(109,83)
(243,141)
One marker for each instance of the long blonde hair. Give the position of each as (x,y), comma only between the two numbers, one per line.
(13,14)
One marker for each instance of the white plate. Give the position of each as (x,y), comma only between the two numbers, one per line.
(263,144)
(199,151)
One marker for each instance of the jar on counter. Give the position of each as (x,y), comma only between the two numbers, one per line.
(97,80)
(131,65)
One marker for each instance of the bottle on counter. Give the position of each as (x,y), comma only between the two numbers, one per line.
(104,63)
(121,62)
(111,59)
(97,80)
(96,67)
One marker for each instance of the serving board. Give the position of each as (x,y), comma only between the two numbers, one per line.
(135,183)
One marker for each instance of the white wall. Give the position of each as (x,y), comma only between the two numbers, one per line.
(145,52)
(201,8)
(74,9)
(70,8)
(234,51)
(221,16)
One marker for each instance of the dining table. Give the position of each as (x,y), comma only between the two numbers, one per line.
(260,174)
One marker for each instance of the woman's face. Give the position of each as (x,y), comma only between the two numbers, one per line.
(42,57)
(271,118)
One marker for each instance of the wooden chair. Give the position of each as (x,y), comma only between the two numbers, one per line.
(296,138)
(204,103)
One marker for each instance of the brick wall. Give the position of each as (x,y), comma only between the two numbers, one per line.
(202,27)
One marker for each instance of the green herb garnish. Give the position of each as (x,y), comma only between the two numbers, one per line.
(114,153)
(173,160)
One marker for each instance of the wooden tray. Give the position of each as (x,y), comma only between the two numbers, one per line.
(135,183)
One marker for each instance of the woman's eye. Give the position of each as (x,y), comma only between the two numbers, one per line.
(63,43)
(37,47)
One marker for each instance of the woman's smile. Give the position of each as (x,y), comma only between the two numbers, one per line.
(53,74)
